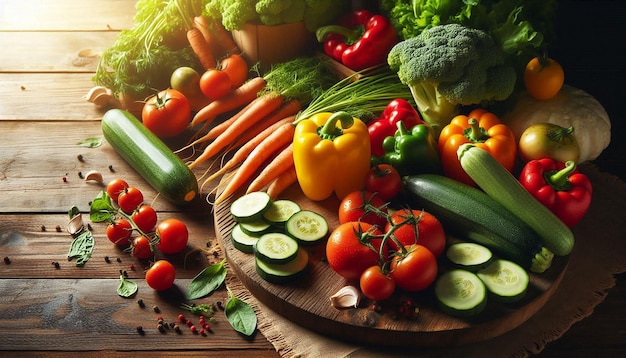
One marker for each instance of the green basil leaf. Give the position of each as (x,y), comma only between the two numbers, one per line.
(92,142)
(240,315)
(81,248)
(207,281)
(101,208)
(126,288)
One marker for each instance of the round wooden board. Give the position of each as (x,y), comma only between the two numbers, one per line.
(305,301)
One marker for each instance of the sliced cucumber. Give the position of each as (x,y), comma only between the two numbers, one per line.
(250,207)
(280,211)
(256,228)
(242,241)
(276,248)
(469,256)
(306,226)
(460,293)
(505,280)
(281,273)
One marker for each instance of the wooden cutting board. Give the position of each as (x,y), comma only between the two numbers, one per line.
(306,302)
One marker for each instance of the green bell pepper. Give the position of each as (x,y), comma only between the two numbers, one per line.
(412,152)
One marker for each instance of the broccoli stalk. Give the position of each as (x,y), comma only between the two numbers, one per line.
(450,66)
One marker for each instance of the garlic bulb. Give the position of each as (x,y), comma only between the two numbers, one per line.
(347,296)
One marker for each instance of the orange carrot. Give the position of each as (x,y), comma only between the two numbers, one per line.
(223,38)
(200,22)
(280,184)
(280,163)
(236,98)
(201,48)
(260,108)
(245,149)
(287,109)
(275,141)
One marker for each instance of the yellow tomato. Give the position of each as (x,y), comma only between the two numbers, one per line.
(543,77)
(547,140)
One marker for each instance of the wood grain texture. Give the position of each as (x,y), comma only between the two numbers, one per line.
(305,301)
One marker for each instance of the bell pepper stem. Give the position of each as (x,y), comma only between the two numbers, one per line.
(330,130)
(475,133)
(351,35)
(559,180)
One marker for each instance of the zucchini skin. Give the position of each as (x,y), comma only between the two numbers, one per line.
(503,187)
(150,157)
(470,213)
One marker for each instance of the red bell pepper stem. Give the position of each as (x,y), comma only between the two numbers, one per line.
(350,35)
(559,180)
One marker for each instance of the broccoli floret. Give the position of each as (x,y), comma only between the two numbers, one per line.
(276,12)
(451,65)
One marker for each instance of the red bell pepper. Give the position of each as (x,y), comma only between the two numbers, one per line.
(398,110)
(359,40)
(559,186)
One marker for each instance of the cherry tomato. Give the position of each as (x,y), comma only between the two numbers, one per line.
(364,206)
(215,83)
(167,114)
(237,68)
(115,187)
(376,285)
(543,77)
(130,199)
(173,236)
(119,232)
(161,275)
(347,255)
(430,232)
(186,80)
(141,247)
(384,180)
(145,218)
(415,270)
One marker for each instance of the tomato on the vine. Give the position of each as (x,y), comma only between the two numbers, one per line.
(130,199)
(364,206)
(141,247)
(173,236)
(384,180)
(236,67)
(414,270)
(161,275)
(145,218)
(119,231)
(186,80)
(430,231)
(167,113)
(348,255)
(215,83)
(115,187)
(543,77)
(377,285)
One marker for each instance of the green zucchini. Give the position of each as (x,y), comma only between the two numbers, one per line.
(308,227)
(276,248)
(241,240)
(460,293)
(469,256)
(282,273)
(149,156)
(470,213)
(503,187)
(505,280)
(250,207)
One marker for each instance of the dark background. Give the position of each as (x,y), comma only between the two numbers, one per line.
(590,45)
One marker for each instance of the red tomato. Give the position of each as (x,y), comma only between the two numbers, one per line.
(377,285)
(384,180)
(119,232)
(167,114)
(130,199)
(365,206)
(215,84)
(415,270)
(173,236)
(237,68)
(347,255)
(430,230)
(145,218)
(161,275)
(141,248)
(115,187)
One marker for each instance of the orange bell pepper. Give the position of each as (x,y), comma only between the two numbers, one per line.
(484,130)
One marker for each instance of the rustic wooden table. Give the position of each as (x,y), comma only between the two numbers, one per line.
(49,53)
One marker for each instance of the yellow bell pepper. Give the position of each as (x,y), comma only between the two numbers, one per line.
(331,153)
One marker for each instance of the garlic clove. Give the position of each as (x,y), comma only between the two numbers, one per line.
(94,175)
(347,296)
(76,224)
